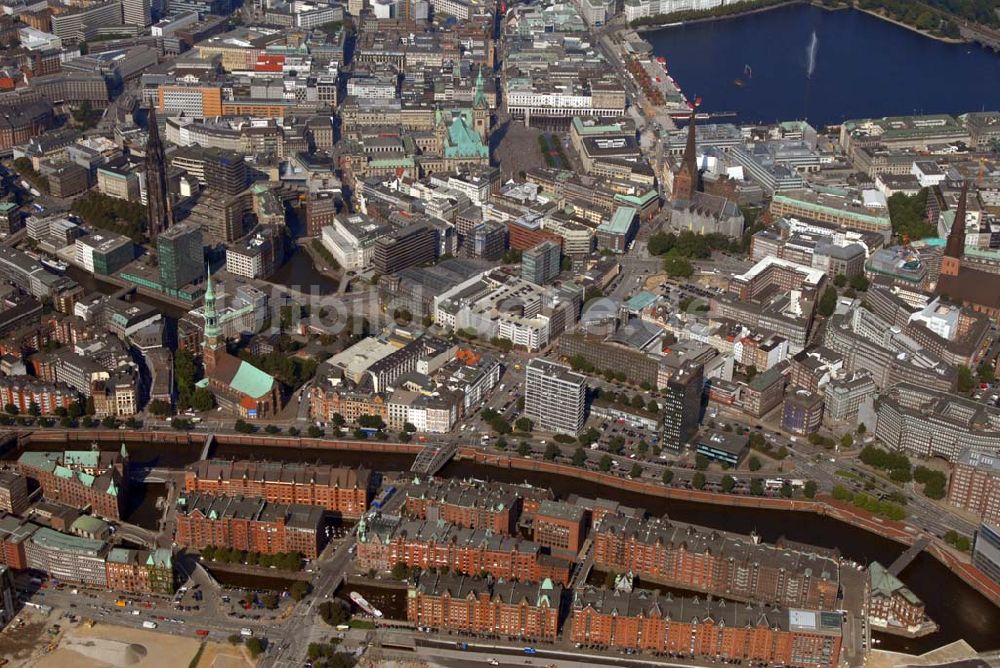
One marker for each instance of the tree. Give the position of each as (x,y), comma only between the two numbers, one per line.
(786,489)
(10,409)
(840,280)
(159,407)
(255,646)
(698,480)
(701,462)
(965,381)
(668,476)
(202,400)
(523,449)
(235,639)
(272,429)
(636,471)
(859,282)
(861,429)
(828,302)
(409,427)
(299,590)
(314,431)
(846,441)
(810,489)
(638,402)
(294,431)
(551,452)
(678,267)
(754,463)
(652,406)
(579,457)
(524,424)
(728,483)
(34,409)
(605,463)
(109,422)
(757,487)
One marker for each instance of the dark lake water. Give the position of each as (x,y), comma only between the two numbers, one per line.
(861,66)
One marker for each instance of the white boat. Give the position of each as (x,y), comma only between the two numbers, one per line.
(363,603)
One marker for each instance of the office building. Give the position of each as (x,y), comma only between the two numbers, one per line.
(13,492)
(923,422)
(975,484)
(474,605)
(803,412)
(540,264)
(409,246)
(136,13)
(339,490)
(225,171)
(67,558)
(682,407)
(725,448)
(257,256)
(181,256)
(74,24)
(554,397)
(986,551)
(103,253)
(8,596)
(707,629)
(487,241)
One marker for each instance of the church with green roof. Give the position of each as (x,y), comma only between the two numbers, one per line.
(238,385)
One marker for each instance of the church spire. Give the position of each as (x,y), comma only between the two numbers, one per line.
(479,99)
(212,330)
(686,179)
(956,237)
(158,209)
(954,248)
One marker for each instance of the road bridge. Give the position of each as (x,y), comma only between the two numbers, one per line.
(207,449)
(903,560)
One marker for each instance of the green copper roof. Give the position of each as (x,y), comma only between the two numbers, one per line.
(884,583)
(621,220)
(89,524)
(63,542)
(463,141)
(45,461)
(251,381)
(86,458)
(161,557)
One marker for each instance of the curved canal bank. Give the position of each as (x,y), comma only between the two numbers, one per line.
(935,576)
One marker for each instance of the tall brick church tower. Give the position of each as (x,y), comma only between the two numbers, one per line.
(954,249)
(686,178)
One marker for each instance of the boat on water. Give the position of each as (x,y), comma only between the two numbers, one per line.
(58,266)
(747,72)
(363,603)
(738,83)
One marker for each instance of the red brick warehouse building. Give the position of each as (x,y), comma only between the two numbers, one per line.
(457,602)
(495,507)
(730,565)
(704,628)
(80,478)
(472,552)
(338,489)
(249,523)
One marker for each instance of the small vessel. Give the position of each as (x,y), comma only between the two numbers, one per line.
(363,603)
(58,266)
(738,83)
(748,72)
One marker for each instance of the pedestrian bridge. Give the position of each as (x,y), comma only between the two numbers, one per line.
(903,560)
(432,458)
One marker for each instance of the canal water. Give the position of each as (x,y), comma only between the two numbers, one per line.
(299,273)
(254,581)
(961,611)
(856,66)
(391,601)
